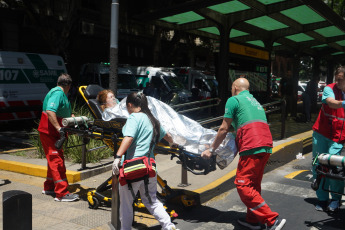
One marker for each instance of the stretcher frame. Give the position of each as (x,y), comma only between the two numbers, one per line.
(110,133)
(327,171)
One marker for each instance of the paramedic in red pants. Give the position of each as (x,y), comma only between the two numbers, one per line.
(55,107)
(328,137)
(254,143)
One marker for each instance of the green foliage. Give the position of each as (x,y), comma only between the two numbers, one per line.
(36,142)
(75,153)
(337,5)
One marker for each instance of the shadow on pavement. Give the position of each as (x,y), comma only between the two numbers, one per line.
(331,221)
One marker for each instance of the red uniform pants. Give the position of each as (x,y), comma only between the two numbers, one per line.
(249,174)
(56,174)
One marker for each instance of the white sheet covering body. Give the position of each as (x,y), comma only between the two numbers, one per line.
(184,131)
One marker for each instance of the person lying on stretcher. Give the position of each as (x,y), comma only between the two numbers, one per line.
(184,131)
(107,100)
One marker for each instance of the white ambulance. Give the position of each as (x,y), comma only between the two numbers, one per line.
(25,79)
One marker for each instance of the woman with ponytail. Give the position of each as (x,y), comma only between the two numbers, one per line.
(141,132)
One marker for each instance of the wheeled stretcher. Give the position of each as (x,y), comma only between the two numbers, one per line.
(110,133)
(328,166)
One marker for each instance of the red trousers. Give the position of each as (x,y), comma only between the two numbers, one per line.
(56,174)
(249,175)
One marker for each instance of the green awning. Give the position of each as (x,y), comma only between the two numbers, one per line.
(257,43)
(330,31)
(300,37)
(229,7)
(303,14)
(183,18)
(266,23)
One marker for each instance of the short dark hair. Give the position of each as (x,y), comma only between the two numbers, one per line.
(340,69)
(64,80)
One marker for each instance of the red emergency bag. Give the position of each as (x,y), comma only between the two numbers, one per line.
(137,169)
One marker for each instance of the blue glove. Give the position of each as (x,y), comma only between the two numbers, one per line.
(343,104)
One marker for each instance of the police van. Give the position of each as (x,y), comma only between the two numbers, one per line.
(25,79)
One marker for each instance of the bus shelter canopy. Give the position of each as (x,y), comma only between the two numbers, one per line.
(286,27)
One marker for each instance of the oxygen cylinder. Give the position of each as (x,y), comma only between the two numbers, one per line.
(331,160)
(72,121)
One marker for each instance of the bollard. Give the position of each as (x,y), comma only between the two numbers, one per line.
(17,210)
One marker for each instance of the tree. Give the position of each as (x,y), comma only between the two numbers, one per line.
(54,21)
(337,5)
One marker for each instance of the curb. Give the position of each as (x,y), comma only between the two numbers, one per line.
(34,170)
(18,150)
(41,171)
(281,155)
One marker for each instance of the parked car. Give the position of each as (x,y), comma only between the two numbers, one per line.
(192,78)
(321,85)
(167,86)
(98,73)
(301,90)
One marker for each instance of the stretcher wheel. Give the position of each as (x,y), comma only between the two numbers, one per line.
(95,203)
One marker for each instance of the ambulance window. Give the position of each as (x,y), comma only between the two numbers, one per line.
(156,82)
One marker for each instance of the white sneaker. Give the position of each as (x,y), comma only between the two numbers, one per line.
(174,228)
(67,198)
(278,225)
(48,192)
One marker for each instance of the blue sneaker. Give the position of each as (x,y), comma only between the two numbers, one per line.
(333,206)
(321,206)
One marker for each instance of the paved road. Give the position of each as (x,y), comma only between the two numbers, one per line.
(293,199)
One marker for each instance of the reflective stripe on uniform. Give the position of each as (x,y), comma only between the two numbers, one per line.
(48,178)
(252,121)
(58,181)
(259,206)
(330,115)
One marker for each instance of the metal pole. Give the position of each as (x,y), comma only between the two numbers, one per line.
(113,59)
(115,205)
(114,28)
(83,152)
(184,176)
(283,107)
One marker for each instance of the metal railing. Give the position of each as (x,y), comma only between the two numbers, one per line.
(281,108)
(217,100)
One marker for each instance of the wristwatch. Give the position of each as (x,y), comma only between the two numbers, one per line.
(211,150)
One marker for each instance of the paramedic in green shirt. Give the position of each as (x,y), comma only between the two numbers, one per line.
(254,143)
(56,106)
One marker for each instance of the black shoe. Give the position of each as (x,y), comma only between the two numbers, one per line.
(278,224)
(253,226)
